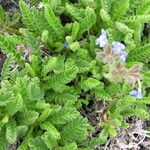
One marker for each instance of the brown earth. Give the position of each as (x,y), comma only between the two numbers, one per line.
(2,59)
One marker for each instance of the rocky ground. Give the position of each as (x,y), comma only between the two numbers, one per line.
(9,5)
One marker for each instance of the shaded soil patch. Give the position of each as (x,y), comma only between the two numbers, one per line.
(2,59)
(94,112)
(15,145)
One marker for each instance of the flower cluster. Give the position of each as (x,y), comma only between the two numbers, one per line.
(118,48)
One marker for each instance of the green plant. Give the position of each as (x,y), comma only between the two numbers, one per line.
(59,68)
(9,22)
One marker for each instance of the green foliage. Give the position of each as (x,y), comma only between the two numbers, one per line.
(14,39)
(120,9)
(6,71)
(3,141)
(58,81)
(64,115)
(9,22)
(2,15)
(27,15)
(75,30)
(75,12)
(72,146)
(144,8)
(17,104)
(65,98)
(53,68)
(141,54)
(28,117)
(6,46)
(88,21)
(53,21)
(55,64)
(31,42)
(11,132)
(90,83)
(76,130)
(34,91)
(51,129)
(37,144)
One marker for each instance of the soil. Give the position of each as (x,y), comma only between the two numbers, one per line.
(15,145)
(2,59)
(9,5)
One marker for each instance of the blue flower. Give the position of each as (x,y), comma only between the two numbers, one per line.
(123,56)
(136,93)
(65,44)
(118,47)
(102,40)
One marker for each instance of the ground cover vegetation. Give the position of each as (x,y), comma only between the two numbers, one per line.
(63,56)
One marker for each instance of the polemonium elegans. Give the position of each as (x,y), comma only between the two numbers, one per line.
(65,44)
(123,56)
(136,93)
(102,40)
(118,47)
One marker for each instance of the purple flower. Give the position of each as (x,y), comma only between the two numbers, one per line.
(118,47)
(102,40)
(136,93)
(123,56)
